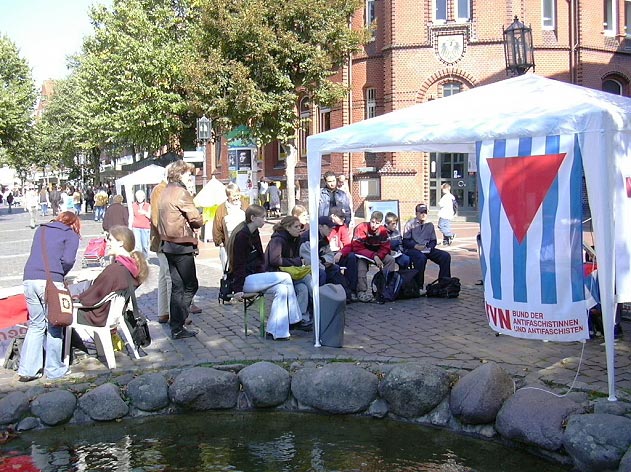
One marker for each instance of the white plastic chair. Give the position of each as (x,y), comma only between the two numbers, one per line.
(102,334)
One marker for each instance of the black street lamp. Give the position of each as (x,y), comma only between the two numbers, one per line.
(518,48)
(204,134)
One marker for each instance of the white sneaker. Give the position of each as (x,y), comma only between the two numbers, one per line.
(364,297)
(422,292)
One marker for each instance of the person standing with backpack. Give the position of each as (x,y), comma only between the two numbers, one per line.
(447,211)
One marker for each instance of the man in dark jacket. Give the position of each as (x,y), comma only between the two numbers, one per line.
(116,214)
(331,196)
(419,241)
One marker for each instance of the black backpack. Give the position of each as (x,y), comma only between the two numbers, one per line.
(410,286)
(386,286)
(444,287)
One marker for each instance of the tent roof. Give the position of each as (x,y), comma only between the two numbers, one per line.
(528,105)
(151,174)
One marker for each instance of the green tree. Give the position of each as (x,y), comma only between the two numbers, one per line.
(255,58)
(129,73)
(17,99)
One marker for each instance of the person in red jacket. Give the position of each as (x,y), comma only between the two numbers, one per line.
(370,245)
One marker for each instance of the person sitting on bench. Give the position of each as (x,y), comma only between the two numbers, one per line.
(246,261)
(371,245)
(419,241)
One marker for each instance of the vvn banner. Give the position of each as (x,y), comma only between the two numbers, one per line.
(531,237)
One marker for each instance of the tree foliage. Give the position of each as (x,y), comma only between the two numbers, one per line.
(129,73)
(254,58)
(17,99)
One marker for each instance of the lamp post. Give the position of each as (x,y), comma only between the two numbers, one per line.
(204,134)
(518,49)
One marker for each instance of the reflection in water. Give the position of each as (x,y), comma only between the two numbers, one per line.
(260,442)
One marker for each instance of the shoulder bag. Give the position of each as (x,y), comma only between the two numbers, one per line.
(58,300)
(135,320)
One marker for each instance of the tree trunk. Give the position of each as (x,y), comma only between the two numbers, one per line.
(290,172)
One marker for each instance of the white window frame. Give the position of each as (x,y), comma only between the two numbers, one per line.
(548,22)
(615,81)
(370,15)
(453,87)
(462,17)
(627,18)
(371,102)
(444,3)
(370,188)
(609,24)
(325,119)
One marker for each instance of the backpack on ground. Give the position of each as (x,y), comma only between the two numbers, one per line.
(409,287)
(444,287)
(386,286)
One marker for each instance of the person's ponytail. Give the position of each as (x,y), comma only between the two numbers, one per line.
(141,262)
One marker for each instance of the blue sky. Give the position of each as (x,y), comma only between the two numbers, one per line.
(46,31)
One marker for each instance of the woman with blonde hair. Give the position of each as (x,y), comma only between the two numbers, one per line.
(115,277)
(247,267)
(54,245)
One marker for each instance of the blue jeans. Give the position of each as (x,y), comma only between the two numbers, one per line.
(303,293)
(99,213)
(32,354)
(44,209)
(444,225)
(142,240)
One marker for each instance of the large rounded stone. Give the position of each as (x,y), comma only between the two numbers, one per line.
(54,407)
(202,388)
(265,384)
(335,388)
(625,462)
(479,395)
(414,389)
(13,407)
(149,392)
(104,403)
(535,417)
(597,442)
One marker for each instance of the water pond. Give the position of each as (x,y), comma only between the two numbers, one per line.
(259,442)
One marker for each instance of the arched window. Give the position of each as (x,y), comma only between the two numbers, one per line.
(451,88)
(612,86)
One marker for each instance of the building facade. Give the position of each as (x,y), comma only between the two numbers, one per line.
(428,49)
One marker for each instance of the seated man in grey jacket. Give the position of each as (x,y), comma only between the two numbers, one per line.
(419,242)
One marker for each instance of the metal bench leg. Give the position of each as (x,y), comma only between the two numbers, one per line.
(261,299)
(245,316)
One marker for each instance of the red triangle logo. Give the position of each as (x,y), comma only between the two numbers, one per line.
(523,183)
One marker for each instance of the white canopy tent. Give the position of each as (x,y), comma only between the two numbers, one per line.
(150,175)
(525,106)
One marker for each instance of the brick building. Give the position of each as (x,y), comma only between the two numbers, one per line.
(424,50)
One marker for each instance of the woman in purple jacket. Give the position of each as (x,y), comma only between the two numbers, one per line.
(62,242)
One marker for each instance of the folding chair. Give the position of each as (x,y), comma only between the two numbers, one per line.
(248,300)
(102,334)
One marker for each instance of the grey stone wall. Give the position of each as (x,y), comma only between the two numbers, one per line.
(594,436)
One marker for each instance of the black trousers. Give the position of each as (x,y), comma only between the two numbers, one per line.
(419,261)
(183,289)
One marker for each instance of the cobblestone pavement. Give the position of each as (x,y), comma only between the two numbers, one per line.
(451,333)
